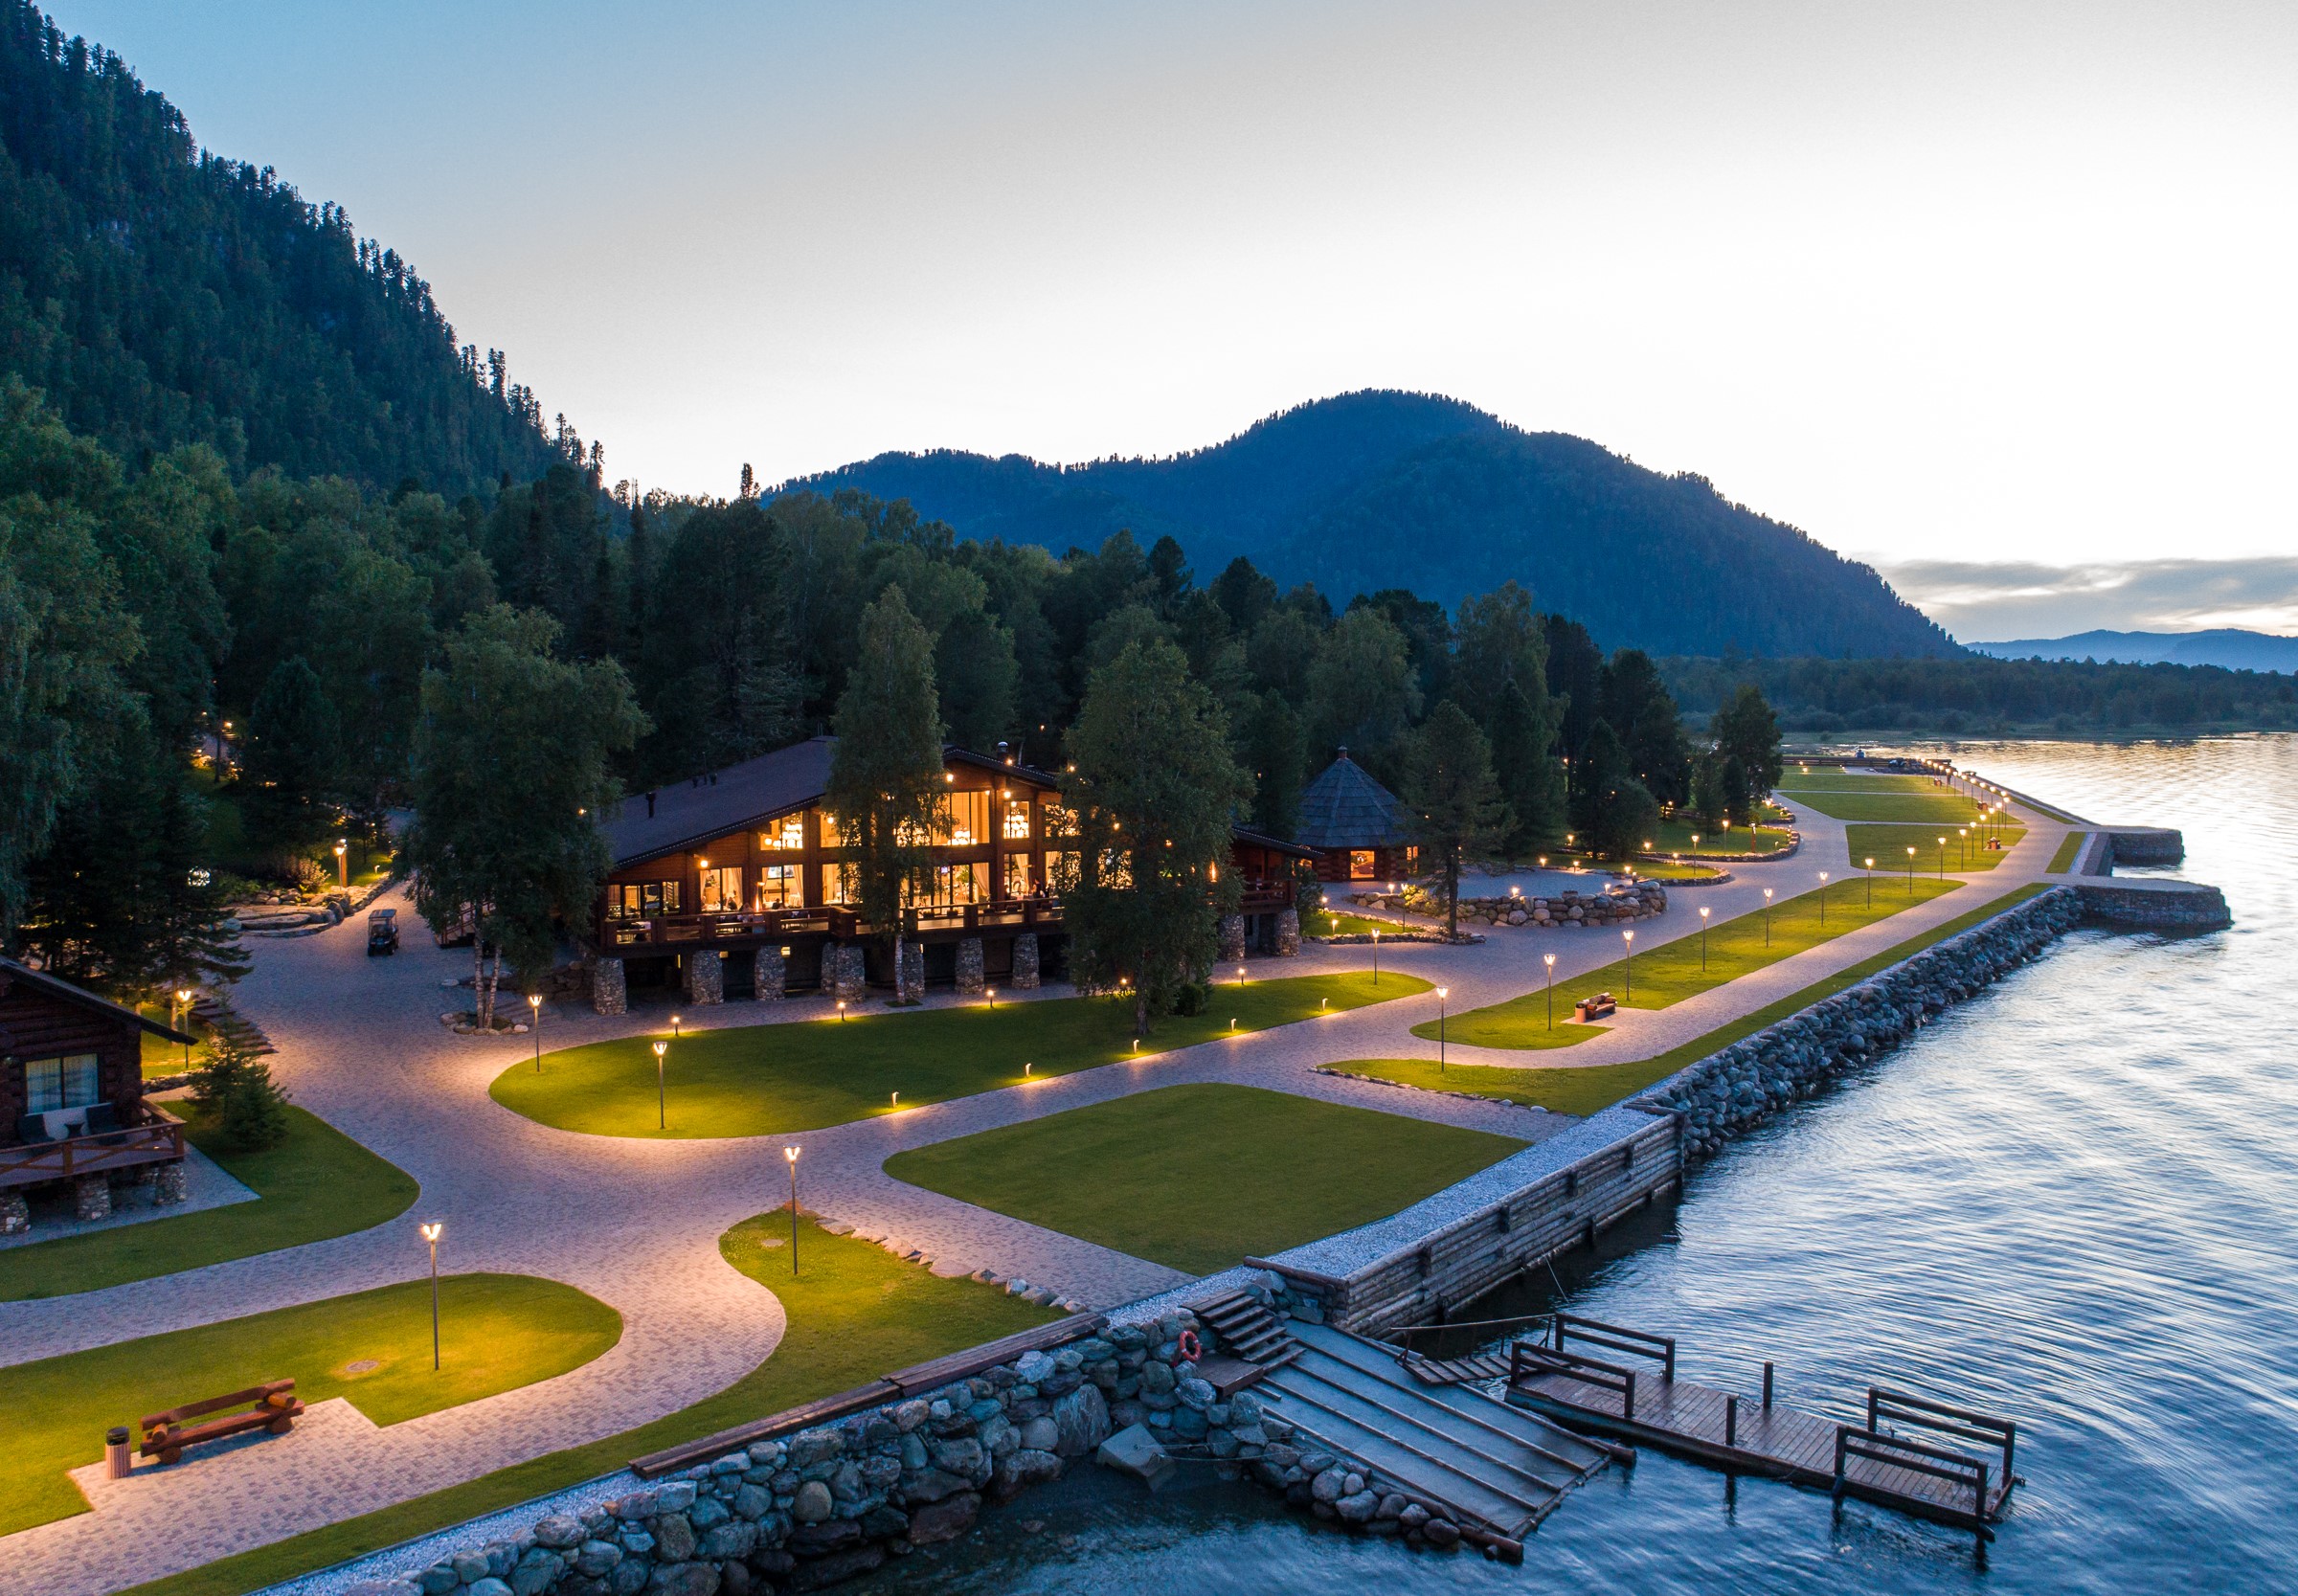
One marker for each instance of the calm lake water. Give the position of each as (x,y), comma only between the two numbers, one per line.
(2073,1201)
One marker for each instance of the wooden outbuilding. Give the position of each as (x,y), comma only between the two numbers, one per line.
(1357,827)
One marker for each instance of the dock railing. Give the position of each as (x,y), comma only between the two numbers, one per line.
(1614,1338)
(1885,1405)
(1915,1458)
(1528,1360)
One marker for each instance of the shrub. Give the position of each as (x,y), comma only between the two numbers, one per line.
(235,1085)
(1192,998)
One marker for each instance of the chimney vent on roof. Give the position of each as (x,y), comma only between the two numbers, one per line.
(650,804)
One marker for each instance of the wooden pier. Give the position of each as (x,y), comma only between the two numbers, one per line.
(1897,1459)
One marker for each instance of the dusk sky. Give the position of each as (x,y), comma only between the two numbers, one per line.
(1984,293)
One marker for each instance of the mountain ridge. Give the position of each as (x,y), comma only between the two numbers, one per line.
(1380,489)
(2229,647)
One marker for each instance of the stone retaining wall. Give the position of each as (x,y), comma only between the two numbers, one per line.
(1612,905)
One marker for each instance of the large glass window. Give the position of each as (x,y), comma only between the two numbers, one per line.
(949,885)
(1061,871)
(1017,820)
(722,889)
(641,899)
(833,835)
(787,835)
(65,1083)
(1360,864)
(1017,875)
(779,887)
(837,884)
(1060,821)
(964,819)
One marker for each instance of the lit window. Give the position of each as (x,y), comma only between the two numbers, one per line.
(1017,875)
(839,884)
(1060,821)
(1361,864)
(722,889)
(65,1083)
(779,887)
(1017,820)
(833,835)
(787,835)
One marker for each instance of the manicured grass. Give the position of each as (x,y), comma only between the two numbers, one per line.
(498,1332)
(1672,971)
(855,1312)
(1937,807)
(316,1184)
(1826,779)
(1587,1090)
(1200,1177)
(750,1080)
(1328,923)
(2070,847)
(1674,836)
(1887,845)
(1666,869)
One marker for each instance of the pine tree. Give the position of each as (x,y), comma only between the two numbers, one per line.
(232,1084)
(294,757)
(1454,798)
(886,783)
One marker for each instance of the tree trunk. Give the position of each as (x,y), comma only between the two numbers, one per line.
(478,978)
(1452,895)
(1140,1011)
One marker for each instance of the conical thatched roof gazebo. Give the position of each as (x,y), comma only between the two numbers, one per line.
(1357,827)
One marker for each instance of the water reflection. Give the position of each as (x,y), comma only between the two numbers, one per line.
(2067,1201)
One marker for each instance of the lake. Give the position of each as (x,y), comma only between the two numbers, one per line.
(2070,1201)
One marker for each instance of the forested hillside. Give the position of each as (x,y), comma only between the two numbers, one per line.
(161,295)
(1378,489)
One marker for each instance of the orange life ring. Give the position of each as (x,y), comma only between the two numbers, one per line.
(1191,1348)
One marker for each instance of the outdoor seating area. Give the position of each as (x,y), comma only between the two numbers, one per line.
(273,1406)
(63,1144)
(1596,1007)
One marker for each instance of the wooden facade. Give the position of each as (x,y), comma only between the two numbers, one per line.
(72,1083)
(749,858)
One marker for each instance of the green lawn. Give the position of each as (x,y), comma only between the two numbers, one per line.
(316,1184)
(1200,1177)
(855,1312)
(1674,836)
(750,1080)
(1936,807)
(1330,923)
(498,1332)
(1672,972)
(1887,845)
(1664,869)
(2070,848)
(1825,780)
(1587,1090)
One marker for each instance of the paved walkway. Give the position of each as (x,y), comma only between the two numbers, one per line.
(636,1223)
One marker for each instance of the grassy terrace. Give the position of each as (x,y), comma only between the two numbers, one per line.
(1666,870)
(1936,807)
(1826,779)
(1887,845)
(1200,1177)
(316,1184)
(1585,1091)
(1671,971)
(498,1332)
(855,1311)
(750,1080)
(1675,836)
(1332,922)
(2070,848)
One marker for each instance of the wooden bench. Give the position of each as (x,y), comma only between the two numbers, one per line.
(1595,1007)
(274,1407)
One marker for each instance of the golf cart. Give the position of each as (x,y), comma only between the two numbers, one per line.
(382,931)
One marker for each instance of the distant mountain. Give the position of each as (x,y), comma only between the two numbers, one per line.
(161,295)
(1385,489)
(2229,647)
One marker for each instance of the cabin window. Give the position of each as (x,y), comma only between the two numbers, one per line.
(1360,864)
(722,889)
(787,835)
(779,887)
(1061,871)
(949,885)
(963,822)
(839,884)
(833,835)
(1017,820)
(1117,869)
(641,899)
(1060,821)
(1412,860)
(1017,875)
(65,1083)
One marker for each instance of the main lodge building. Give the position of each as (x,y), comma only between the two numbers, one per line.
(736,884)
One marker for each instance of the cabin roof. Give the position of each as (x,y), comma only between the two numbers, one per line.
(689,814)
(1274,845)
(1345,808)
(13,973)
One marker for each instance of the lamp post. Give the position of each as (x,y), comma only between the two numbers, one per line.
(1962,847)
(1822,900)
(1910,870)
(1942,859)
(674,1027)
(342,862)
(1240,974)
(1550,960)
(183,999)
(1629,937)
(1375,955)
(1766,917)
(662,1120)
(790,1154)
(1870,883)
(993,996)
(842,1011)
(1441,994)
(430,1234)
(534,1007)
(1703,914)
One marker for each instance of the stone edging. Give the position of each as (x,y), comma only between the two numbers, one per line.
(1432,1090)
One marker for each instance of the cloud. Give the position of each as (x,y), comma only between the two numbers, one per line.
(1990,601)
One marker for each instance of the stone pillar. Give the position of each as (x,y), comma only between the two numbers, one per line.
(91,1196)
(1025,960)
(844,971)
(770,974)
(610,994)
(1288,933)
(15,1214)
(970,979)
(705,978)
(172,1182)
(909,974)
(1232,937)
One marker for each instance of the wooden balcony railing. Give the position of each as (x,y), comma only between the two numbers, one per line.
(159,1137)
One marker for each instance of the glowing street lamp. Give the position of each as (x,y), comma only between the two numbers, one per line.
(342,862)
(534,1007)
(662,1120)
(1910,870)
(430,1234)
(1240,974)
(1823,900)
(1550,960)
(1375,955)
(674,1027)
(1705,912)
(1766,917)
(1629,937)
(790,1155)
(992,993)
(842,1011)
(1942,859)
(1441,994)
(1870,863)
(183,999)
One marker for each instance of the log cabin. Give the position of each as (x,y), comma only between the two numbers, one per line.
(72,1119)
(1357,827)
(736,884)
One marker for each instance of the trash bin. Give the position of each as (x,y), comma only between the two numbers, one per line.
(115,1456)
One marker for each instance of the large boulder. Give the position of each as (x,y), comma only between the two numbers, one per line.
(1081,1422)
